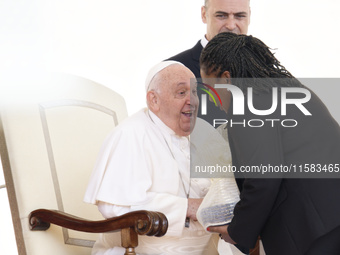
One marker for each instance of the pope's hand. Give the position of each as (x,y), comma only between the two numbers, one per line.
(193,204)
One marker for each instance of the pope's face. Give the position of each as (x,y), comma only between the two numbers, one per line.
(226,16)
(178,104)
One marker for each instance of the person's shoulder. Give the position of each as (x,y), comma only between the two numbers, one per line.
(182,56)
(188,54)
(134,124)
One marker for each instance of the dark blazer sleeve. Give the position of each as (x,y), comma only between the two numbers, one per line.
(254,147)
(288,213)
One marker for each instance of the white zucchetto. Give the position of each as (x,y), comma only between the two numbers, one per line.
(156,69)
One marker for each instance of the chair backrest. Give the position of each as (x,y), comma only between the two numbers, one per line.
(52,127)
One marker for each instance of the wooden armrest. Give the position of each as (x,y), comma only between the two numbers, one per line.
(131,224)
(143,222)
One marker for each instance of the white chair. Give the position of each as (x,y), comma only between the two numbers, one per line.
(51,129)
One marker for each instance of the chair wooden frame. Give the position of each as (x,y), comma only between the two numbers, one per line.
(130,225)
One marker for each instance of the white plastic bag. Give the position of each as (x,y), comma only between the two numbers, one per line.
(218,205)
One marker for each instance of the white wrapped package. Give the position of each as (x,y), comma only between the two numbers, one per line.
(210,151)
(218,205)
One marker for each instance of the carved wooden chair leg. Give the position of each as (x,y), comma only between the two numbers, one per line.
(129,240)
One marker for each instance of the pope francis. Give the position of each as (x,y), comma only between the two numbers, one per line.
(144,164)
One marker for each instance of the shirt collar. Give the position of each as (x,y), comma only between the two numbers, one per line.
(204,41)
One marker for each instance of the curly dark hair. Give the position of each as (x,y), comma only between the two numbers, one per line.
(245,56)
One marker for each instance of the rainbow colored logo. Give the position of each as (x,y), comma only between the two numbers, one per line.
(209,93)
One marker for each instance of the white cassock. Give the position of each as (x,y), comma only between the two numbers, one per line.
(144,165)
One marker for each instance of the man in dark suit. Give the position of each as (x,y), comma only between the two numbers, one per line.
(220,16)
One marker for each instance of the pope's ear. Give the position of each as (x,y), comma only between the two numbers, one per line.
(152,101)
